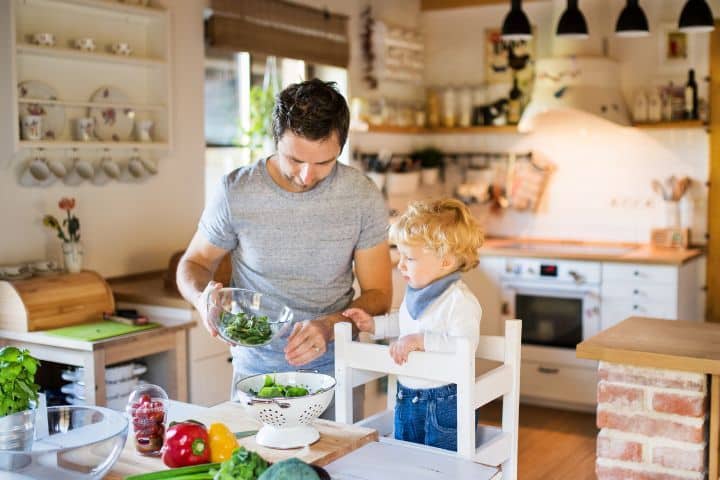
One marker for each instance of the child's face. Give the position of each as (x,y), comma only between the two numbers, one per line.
(420,266)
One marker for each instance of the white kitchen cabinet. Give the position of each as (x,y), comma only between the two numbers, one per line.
(209,368)
(662,291)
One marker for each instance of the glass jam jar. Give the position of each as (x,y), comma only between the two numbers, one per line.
(147,408)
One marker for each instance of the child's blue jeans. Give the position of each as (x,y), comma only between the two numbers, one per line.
(427,416)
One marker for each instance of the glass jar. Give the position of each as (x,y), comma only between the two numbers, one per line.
(433,108)
(465,103)
(449,108)
(147,408)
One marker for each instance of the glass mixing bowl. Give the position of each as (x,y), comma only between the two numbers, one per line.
(248,318)
(84,442)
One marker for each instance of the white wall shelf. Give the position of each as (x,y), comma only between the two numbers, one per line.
(60,145)
(71,54)
(105,8)
(67,103)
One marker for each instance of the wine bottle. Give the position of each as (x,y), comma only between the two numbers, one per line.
(691,97)
(514,103)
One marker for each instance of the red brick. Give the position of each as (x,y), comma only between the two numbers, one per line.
(679,458)
(686,405)
(647,378)
(652,427)
(620,395)
(618,473)
(619,449)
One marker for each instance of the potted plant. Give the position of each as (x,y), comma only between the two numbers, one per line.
(71,247)
(431,161)
(404,175)
(19,399)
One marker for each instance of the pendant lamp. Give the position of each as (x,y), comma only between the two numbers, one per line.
(516,25)
(572,22)
(696,17)
(632,22)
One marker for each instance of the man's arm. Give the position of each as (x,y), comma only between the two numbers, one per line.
(374,274)
(195,270)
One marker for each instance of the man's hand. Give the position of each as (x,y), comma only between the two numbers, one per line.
(400,349)
(307,341)
(363,320)
(207,305)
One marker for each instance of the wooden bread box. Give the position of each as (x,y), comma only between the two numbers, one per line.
(43,303)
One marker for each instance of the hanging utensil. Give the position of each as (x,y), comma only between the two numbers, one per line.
(658,188)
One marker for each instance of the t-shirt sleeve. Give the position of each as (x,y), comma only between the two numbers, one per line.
(374,218)
(216,223)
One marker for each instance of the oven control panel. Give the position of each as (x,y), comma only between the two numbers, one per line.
(552,271)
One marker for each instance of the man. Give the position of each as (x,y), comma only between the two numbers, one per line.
(295,223)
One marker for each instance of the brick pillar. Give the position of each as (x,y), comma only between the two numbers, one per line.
(652,422)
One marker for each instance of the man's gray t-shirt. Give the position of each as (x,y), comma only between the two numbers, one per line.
(297,247)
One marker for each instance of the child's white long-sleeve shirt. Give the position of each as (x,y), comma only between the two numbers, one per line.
(455,313)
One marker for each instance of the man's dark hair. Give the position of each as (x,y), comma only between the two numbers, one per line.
(312,109)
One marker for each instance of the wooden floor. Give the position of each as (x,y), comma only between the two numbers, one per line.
(553,444)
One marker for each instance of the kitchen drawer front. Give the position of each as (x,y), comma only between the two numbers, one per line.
(210,380)
(554,382)
(632,272)
(202,345)
(640,291)
(614,312)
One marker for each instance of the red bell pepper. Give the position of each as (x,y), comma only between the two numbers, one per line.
(186,443)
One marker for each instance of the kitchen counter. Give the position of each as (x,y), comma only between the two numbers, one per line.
(147,289)
(336,439)
(670,346)
(595,251)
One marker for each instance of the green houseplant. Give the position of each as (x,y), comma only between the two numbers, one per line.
(18,402)
(431,161)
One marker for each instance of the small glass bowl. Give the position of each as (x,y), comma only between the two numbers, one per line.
(147,411)
(247,318)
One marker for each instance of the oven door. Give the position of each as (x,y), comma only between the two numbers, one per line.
(559,316)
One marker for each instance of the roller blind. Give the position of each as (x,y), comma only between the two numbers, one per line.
(275,27)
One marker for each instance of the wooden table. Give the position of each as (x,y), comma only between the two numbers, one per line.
(672,345)
(336,439)
(170,340)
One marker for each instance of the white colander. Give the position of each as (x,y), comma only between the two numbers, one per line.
(286,421)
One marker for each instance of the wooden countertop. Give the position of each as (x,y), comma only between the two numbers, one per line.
(651,342)
(576,250)
(146,288)
(336,439)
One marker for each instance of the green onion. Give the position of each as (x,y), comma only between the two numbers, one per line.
(194,472)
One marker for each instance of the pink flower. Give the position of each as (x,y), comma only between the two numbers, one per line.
(66,204)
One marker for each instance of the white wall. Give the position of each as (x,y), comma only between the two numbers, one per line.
(601,189)
(124,228)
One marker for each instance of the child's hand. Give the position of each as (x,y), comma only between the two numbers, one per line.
(400,349)
(364,321)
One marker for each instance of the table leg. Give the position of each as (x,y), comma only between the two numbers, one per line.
(714,440)
(94,365)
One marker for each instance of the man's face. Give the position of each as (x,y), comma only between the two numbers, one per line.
(303,163)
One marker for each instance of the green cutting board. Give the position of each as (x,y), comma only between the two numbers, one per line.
(90,332)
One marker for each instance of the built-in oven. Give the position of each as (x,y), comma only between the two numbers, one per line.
(557,301)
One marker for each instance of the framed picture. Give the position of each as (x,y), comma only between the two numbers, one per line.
(676,50)
(505,57)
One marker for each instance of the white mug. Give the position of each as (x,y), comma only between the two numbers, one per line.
(144,127)
(31,127)
(84,129)
(44,38)
(121,48)
(85,44)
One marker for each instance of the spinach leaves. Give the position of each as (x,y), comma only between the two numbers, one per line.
(246,329)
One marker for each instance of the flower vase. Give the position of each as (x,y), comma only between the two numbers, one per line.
(73,254)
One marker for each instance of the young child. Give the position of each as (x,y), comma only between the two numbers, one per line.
(436,240)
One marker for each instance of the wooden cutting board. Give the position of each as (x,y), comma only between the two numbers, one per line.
(336,439)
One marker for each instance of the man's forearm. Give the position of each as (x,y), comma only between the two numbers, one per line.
(374,302)
(192,278)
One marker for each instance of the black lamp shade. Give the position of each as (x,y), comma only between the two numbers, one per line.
(572,22)
(516,25)
(696,16)
(632,21)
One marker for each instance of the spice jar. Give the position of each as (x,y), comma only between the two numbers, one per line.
(433,108)
(449,107)
(147,408)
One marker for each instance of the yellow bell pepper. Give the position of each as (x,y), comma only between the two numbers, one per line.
(222,442)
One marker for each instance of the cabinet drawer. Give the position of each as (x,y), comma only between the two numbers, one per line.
(638,291)
(647,273)
(558,383)
(614,312)
(210,380)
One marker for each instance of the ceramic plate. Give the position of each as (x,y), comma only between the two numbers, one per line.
(112,124)
(53,122)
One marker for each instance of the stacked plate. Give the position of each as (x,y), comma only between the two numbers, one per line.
(119,382)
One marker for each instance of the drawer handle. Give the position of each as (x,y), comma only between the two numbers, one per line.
(635,307)
(636,273)
(548,371)
(636,291)
(229,359)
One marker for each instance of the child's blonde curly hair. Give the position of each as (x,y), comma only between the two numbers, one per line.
(443,226)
